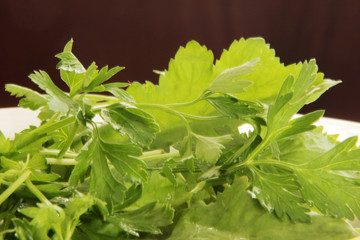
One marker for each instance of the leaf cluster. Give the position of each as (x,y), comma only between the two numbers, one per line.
(113,160)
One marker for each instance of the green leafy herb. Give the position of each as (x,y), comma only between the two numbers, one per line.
(214,151)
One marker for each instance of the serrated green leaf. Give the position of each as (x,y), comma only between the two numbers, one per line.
(159,189)
(103,75)
(231,80)
(45,218)
(5,144)
(70,63)
(269,74)
(80,169)
(209,148)
(127,119)
(302,124)
(302,147)
(189,73)
(103,184)
(122,158)
(333,193)
(293,95)
(235,215)
(278,194)
(148,218)
(59,101)
(31,99)
(167,170)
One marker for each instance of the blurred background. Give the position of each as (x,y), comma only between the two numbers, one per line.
(144,35)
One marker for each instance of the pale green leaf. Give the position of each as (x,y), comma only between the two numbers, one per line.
(122,158)
(188,75)
(45,218)
(232,80)
(235,215)
(209,149)
(103,75)
(5,144)
(69,62)
(59,101)
(148,218)
(31,99)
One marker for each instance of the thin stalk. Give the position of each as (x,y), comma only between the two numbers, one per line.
(159,157)
(99,97)
(250,158)
(203,118)
(55,152)
(200,98)
(37,192)
(153,152)
(281,164)
(15,185)
(242,149)
(63,161)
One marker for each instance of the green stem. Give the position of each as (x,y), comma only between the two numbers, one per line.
(251,156)
(153,152)
(200,98)
(15,185)
(279,163)
(54,153)
(203,118)
(69,140)
(37,192)
(241,150)
(99,97)
(159,157)
(63,161)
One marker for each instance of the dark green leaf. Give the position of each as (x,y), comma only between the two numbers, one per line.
(145,219)
(103,184)
(137,124)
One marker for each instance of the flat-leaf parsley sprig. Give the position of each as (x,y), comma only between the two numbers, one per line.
(113,160)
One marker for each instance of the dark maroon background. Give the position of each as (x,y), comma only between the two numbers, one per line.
(144,35)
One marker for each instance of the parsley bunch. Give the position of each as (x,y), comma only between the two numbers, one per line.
(167,161)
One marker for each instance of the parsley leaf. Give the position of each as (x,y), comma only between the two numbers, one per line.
(235,215)
(128,119)
(32,99)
